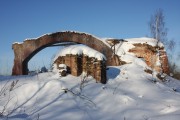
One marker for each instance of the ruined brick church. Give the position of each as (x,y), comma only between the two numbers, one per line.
(95,65)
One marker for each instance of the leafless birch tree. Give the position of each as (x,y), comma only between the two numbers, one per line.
(157,26)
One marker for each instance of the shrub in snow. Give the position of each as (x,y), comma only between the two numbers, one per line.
(171,74)
(161,76)
(5,98)
(174,89)
(148,71)
(44,69)
(60,69)
(103,87)
(63,73)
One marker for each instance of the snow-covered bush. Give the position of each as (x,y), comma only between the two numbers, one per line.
(44,69)
(5,97)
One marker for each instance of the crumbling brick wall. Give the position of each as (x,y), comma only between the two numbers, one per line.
(81,63)
(149,53)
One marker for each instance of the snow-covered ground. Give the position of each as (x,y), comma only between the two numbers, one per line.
(128,95)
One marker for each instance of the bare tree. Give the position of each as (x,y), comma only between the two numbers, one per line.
(171,45)
(173,58)
(157,26)
(171,55)
(158,32)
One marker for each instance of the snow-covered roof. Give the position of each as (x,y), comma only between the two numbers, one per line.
(79,50)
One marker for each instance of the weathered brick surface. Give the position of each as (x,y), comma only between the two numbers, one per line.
(90,65)
(149,54)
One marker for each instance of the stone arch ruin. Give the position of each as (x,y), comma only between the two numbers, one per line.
(23,52)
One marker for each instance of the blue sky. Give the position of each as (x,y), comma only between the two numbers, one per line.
(21,19)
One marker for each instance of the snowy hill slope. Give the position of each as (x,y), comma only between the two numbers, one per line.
(129,95)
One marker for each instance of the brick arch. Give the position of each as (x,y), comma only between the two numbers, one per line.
(23,52)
